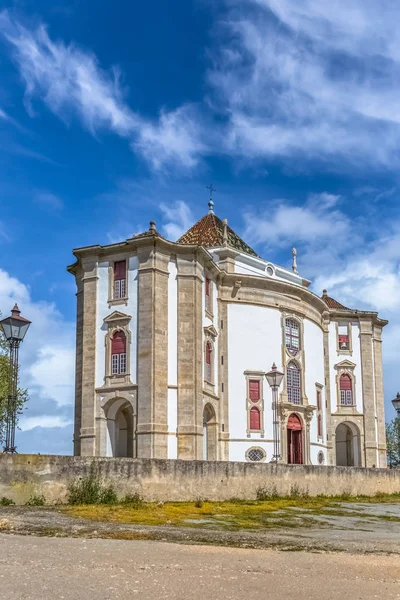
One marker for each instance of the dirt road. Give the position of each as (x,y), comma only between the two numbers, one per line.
(43,568)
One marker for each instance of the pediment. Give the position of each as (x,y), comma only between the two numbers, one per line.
(117,316)
(345,364)
(210,330)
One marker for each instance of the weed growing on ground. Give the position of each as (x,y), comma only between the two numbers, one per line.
(36,500)
(134,501)
(264,493)
(90,490)
(199,503)
(6,501)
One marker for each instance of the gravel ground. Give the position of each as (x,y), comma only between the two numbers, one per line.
(350,533)
(45,568)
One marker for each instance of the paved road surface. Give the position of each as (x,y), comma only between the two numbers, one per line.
(34,568)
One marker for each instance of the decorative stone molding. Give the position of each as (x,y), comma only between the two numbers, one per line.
(346,367)
(258,376)
(117,321)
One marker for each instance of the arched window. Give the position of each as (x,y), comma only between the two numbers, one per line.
(292,336)
(118,353)
(209,350)
(346,390)
(255,420)
(293,383)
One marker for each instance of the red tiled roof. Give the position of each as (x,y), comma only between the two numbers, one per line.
(332,303)
(209,232)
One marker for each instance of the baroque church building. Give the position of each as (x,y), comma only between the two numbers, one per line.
(174,340)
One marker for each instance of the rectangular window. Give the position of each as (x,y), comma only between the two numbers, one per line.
(254,402)
(115,364)
(319,411)
(120,279)
(122,363)
(208,298)
(254,390)
(346,397)
(343,337)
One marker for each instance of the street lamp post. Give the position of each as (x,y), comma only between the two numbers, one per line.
(14,329)
(274,378)
(396,404)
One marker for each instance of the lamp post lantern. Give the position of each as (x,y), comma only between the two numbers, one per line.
(396,404)
(274,378)
(14,329)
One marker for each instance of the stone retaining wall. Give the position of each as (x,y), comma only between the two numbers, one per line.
(24,475)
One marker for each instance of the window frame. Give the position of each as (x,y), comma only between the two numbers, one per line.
(292,349)
(319,412)
(252,403)
(208,296)
(290,388)
(349,350)
(116,295)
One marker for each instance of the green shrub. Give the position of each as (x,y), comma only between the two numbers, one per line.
(297,492)
(199,503)
(6,501)
(267,493)
(90,490)
(36,500)
(133,500)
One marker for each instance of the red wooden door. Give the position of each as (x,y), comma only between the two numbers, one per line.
(294,441)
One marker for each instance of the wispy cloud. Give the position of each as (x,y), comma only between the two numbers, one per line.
(71,82)
(49,201)
(179,218)
(282,223)
(47,362)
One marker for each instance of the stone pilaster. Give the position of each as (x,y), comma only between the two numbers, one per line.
(152,417)
(190,358)
(328,403)
(368,388)
(78,366)
(88,354)
(223,379)
(379,396)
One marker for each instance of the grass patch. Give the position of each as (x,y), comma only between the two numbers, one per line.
(231,515)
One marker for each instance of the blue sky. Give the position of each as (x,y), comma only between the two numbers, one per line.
(113,114)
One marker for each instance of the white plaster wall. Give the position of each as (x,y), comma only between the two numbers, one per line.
(172,324)
(313,345)
(336,357)
(172,359)
(254,343)
(207,322)
(103,311)
(237,450)
(172,423)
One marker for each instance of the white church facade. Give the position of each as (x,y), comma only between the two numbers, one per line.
(174,340)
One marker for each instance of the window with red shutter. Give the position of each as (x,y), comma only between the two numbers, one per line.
(255,420)
(254,390)
(346,390)
(120,279)
(118,353)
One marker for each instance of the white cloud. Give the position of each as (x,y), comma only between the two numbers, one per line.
(322,83)
(47,354)
(44,421)
(49,200)
(3,115)
(179,219)
(70,81)
(282,223)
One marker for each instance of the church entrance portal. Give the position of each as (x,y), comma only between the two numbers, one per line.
(209,433)
(347,453)
(294,441)
(120,429)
